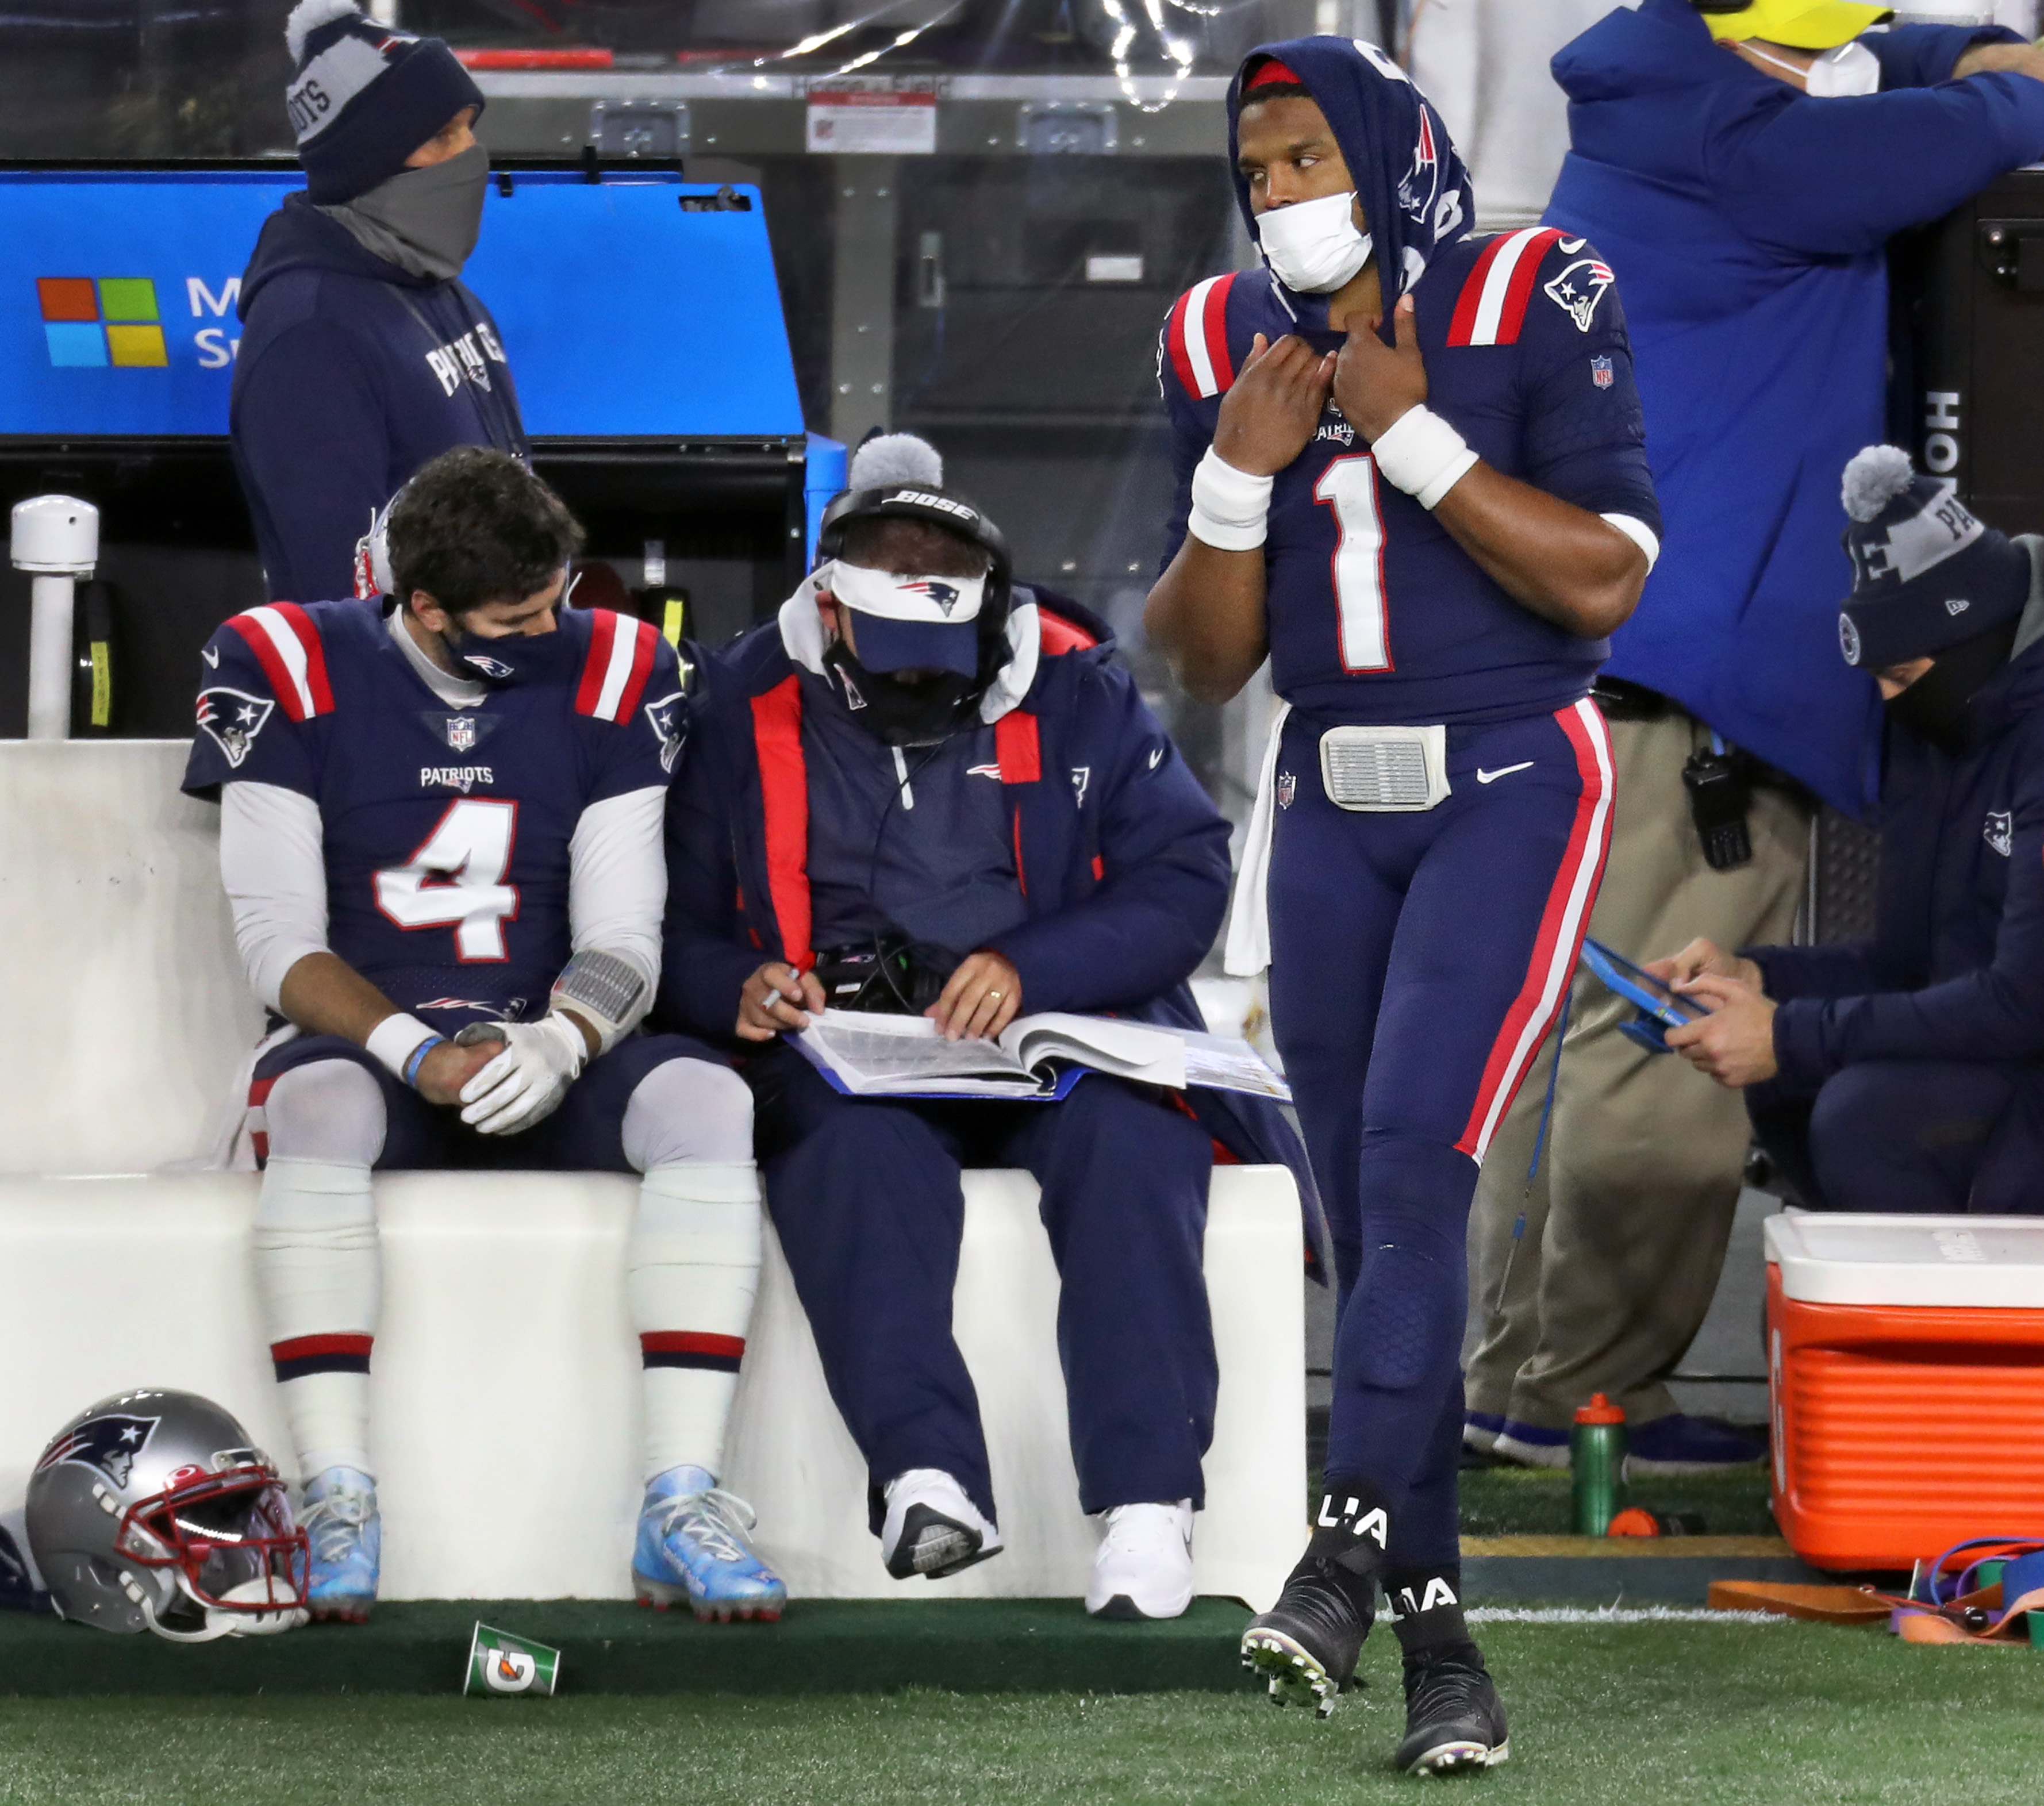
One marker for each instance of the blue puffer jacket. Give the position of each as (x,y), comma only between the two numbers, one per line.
(1746,223)
(1955,970)
(1125,877)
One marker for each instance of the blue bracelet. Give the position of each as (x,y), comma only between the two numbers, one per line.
(411,1074)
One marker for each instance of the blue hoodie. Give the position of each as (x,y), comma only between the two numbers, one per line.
(351,375)
(1747,223)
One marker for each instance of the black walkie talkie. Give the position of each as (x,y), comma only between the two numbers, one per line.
(1719,795)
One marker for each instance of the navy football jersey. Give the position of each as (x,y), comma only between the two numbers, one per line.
(1375,613)
(447,829)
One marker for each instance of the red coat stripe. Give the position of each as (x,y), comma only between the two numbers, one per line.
(1019,747)
(784,795)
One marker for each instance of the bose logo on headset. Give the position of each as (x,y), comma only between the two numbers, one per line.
(943,503)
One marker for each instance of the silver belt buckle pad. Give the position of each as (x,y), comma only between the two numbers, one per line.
(1385,770)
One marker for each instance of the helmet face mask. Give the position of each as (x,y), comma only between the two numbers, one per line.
(151,1511)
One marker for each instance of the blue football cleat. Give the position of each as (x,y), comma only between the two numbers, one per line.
(346,1533)
(692,1546)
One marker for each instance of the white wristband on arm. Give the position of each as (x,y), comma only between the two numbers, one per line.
(1231,508)
(1424,455)
(396,1039)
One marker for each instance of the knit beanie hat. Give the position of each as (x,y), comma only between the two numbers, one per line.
(365,97)
(1927,575)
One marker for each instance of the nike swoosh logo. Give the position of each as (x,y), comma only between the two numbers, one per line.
(1156,758)
(211,657)
(1483,777)
(1571,246)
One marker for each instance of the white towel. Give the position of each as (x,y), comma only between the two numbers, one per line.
(1248,948)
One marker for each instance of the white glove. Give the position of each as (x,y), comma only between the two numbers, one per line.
(526,1083)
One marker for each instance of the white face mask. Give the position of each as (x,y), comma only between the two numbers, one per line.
(1312,247)
(1850,70)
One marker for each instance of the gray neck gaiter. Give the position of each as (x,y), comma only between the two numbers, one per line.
(424,220)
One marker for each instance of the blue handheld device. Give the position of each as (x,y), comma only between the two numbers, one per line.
(1659,1008)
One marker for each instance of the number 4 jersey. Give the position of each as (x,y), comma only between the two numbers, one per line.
(446,828)
(1375,613)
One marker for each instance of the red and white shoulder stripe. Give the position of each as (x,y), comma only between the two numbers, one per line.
(1196,338)
(286,641)
(621,659)
(1492,307)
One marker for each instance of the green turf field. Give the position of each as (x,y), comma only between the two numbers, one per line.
(1698,1713)
(1534,1502)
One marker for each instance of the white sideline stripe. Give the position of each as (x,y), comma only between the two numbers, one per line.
(290,649)
(624,648)
(1563,964)
(1497,285)
(1196,336)
(1616,1614)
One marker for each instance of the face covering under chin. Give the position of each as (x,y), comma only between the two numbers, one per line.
(424,221)
(897,713)
(1313,246)
(512,657)
(1937,707)
(1850,70)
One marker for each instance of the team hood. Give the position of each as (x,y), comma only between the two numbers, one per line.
(299,236)
(1412,184)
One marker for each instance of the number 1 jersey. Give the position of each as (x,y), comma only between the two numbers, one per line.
(446,828)
(1375,614)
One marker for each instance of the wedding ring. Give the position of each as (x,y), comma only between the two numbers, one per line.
(995,995)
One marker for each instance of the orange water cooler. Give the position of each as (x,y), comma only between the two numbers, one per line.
(1906,1383)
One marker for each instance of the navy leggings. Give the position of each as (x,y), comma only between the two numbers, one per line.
(864,1194)
(1417,962)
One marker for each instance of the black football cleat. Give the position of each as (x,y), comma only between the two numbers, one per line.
(1455,1721)
(1306,1645)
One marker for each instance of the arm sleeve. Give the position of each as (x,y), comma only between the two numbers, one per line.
(1585,437)
(1190,437)
(273,865)
(309,426)
(1921,56)
(1833,969)
(1163,851)
(1839,177)
(1995,1013)
(706,958)
(617,881)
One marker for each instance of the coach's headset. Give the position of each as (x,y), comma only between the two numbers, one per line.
(901,714)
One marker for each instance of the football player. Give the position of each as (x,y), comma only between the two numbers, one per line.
(1410,473)
(441,831)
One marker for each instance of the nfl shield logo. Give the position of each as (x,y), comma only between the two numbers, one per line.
(461,732)
(1288,787)
(1600,371)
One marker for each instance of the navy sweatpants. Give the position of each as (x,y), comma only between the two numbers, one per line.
(1911,1135)
(864,1195)
(1417,962)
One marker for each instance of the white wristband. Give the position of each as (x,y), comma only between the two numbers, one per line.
(1424,455)
(396,1039)
(1231,509)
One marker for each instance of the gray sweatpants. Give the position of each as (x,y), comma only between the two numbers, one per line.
(1627,1219)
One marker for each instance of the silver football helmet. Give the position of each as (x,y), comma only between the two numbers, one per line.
(150,1511)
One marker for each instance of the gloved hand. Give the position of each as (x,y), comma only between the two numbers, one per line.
(526,1083)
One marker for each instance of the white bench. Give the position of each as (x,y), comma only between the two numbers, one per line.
(505,1435)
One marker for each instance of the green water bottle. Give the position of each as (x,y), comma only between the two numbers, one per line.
(1597,1464)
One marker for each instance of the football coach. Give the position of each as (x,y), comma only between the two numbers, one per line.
(362,356)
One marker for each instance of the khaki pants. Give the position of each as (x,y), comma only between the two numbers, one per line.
(1626,1221)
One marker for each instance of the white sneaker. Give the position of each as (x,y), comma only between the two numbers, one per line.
(1143,1567)
(931,1528)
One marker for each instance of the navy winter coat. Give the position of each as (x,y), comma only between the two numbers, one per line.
(1125,878)
(1955,970)
(351,374)
(1747,223)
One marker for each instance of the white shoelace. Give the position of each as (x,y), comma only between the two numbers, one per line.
(717,1521)
(328,1521)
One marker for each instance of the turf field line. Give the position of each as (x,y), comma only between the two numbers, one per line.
(1616,1615)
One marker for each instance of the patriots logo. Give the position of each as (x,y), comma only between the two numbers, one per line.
(1600,372)
(1415,193)
(665,718)
(1288,787)
(945,595)
(2000,832)
(1579,288)
(110,1443)
(1082,776)
(489,667)
(231,719)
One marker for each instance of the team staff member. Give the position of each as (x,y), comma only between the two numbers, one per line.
(1410,472)
(1908,1074)
(362,354)
(1742,167)
(922,769)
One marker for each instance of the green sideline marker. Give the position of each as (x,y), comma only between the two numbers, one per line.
(501,1664)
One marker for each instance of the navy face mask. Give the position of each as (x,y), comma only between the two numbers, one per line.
(516,657)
